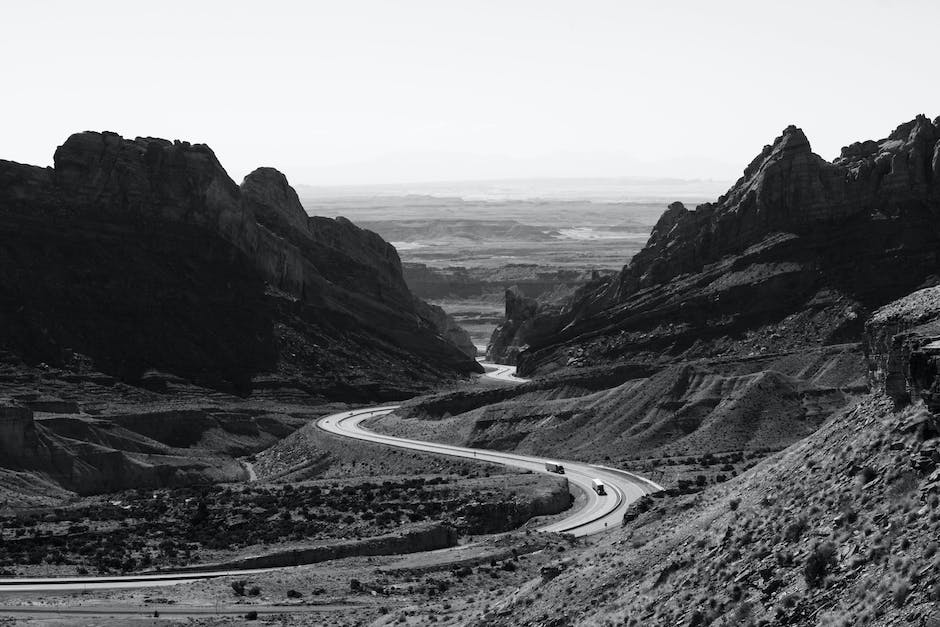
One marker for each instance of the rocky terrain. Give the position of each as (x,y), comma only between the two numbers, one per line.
(838,529)
(158,321)
(143,254)
(738,328)
(798,252)
(770,358)
(696,408)
(462,248)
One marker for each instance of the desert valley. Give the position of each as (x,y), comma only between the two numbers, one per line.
(518,314)
(764,364)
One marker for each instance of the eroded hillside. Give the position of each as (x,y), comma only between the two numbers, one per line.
(798,252)
(840,528)
(158,321)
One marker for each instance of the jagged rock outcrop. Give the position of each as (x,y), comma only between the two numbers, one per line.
(798,241)
(508,338)
(527,317)
(17,432)
(902,341)
(143,254)
(447,327)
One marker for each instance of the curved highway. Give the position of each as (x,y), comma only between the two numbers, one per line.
(596,515)
(501,372)
(599,513)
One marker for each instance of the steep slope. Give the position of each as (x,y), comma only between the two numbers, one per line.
(143,254)
(810,245)
(839,529)
(694,408)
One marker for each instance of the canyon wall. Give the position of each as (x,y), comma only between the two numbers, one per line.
(143,254)
(799,251)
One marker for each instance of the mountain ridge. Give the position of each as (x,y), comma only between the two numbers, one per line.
(231,277)
(794,236)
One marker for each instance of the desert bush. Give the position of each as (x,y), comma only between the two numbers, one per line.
(794,530)
(900,593)
(238,587)
(819,563)
(252,615)
(867,474)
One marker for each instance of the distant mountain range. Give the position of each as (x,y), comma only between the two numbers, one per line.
(621,189)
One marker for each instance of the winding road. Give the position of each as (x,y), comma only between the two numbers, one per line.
(598,513)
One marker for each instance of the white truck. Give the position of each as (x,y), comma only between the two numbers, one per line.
(598,486)
(555,467)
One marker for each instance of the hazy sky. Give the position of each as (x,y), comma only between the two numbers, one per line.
(354,91)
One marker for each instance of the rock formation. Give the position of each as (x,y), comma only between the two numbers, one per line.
(447,327)
(799,242)
(902,341)
(143,254)
(505,344)
(17,433)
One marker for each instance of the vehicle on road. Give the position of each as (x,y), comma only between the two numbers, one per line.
(598,486)
(554,467)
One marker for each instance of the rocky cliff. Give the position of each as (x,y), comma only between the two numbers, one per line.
(797,252)
(504,345)
(143,254)
(902,341)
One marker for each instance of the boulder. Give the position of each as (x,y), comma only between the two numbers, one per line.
(902,342)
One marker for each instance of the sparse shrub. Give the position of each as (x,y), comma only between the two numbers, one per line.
(463,571)
(734,504)
(293,594)
(819,563)
(238,587)
(795,530)
(899,596)
(252,615)
(355,585)
(254,591)
(930,550)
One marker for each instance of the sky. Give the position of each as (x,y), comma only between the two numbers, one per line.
(380,91)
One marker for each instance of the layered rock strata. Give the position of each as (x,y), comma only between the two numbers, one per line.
(799,251)
(143,254)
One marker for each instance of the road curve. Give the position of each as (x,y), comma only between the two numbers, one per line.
(501,372)
(599,513)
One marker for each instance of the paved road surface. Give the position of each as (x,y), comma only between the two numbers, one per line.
(121,610)
(501,372)
(598,514)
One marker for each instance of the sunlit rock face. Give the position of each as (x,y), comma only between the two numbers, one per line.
(810,245)
(902,340)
